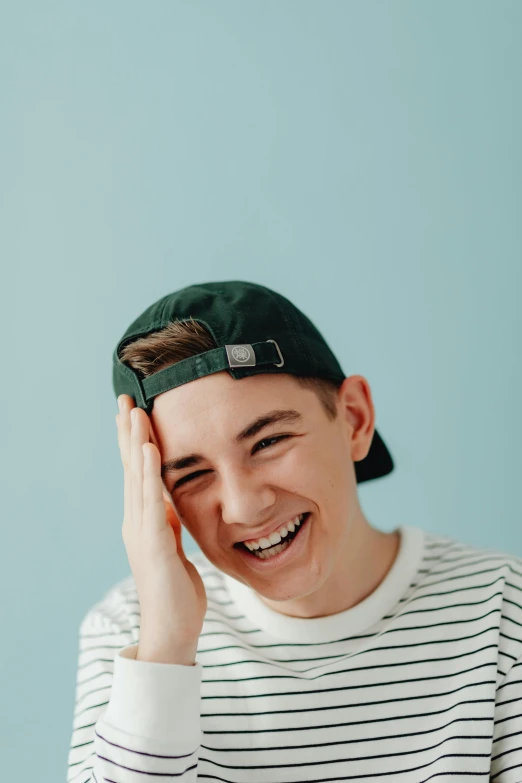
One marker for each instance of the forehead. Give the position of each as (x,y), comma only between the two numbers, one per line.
(221,397)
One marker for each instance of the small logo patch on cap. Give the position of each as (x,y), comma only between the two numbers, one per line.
(241,355)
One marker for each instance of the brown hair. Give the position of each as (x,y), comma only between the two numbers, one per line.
(182,339)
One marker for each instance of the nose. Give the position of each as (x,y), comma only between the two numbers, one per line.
(246,499)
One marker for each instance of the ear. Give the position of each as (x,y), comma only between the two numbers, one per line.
(355,398)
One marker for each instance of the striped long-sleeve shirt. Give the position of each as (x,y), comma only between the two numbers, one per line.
(420,681)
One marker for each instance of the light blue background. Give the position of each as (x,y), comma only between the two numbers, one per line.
(362,158)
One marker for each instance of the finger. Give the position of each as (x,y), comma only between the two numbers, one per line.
(124,444)
(168,503)
(173,520)
(137,438)
(124,428)
(153,436)
(153,503)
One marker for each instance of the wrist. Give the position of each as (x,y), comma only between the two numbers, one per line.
(180,657)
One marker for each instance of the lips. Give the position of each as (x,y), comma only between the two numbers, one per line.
(294,548)
(268,530)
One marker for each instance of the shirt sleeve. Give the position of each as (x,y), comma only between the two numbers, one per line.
(131,716)
(506,755)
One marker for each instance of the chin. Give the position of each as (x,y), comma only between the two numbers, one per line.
(282,589)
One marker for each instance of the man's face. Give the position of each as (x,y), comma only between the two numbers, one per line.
(241,488)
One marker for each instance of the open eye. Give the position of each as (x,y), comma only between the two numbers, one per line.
(275,438)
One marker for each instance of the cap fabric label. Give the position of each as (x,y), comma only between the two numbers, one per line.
(241,355)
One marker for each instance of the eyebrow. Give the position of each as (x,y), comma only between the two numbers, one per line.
(272,417)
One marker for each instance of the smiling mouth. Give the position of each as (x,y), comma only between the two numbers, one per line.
(264,554)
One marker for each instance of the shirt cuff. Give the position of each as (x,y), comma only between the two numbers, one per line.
(156,701)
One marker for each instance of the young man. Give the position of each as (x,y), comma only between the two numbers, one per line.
(300,643)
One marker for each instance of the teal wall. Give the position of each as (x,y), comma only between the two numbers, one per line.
(363,158)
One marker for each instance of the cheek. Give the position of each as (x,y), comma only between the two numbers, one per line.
(307,471)
(323,475)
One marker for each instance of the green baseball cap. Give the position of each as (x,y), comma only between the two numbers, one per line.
(256,329)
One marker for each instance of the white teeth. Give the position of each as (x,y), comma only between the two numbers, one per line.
(276,536)
(274,551)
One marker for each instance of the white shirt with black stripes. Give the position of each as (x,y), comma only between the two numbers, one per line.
(420,681)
